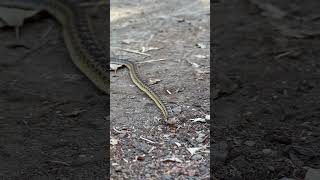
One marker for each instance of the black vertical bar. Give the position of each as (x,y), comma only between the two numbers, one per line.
(212,71)
(107,147)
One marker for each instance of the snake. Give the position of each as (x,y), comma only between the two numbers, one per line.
(134,75)
(84,49)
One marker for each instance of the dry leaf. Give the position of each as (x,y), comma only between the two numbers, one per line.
(154,81)
(194,150)
(113,141)
(198,120)
(200,45)
(178,144)
(200,56)
(115,67)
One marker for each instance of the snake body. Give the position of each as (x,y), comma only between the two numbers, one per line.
(83,47)
(141,85)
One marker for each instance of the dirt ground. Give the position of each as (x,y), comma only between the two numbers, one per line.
(265,95)
(52,119)
(174,37)
(266,90)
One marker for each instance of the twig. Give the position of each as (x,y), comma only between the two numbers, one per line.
(135,52)
(152,60)
(59,162)
(37,47)
(148,140)
(117,130)
(152,148)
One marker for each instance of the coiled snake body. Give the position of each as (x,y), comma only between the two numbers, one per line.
(83,47)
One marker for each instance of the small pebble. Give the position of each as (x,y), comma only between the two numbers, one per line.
(152,166)
(196,157)
(177,109)
(203,169)
(271,168)
(250,143)
(118,168)
(267,151)
(166,177)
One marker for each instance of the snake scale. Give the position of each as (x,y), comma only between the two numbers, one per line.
(83,47)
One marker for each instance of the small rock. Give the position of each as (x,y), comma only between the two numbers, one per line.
(122,135)
(312,174)
(237,141)
(151,166)
(140,158)
(166,177)
(267,151)
(203,169)
(201,137)
(177,109)
(154,81)
(118,168)
(196,157)
(271,168)
(200,45)
(250,143)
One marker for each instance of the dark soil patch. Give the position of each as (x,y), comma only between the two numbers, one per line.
(52,119)
(266,89)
